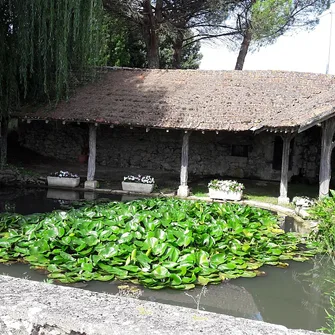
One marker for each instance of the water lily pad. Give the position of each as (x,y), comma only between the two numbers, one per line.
(156,242)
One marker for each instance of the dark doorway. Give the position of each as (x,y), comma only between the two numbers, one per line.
(278,153)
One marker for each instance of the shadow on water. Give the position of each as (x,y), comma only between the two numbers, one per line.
(292,296)
(29,201)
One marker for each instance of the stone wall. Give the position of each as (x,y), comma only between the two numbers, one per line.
(32,308)
(209,153)
(307,154)
(54,139)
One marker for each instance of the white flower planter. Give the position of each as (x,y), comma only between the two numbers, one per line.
(63,182)
(137,187)
(223,195)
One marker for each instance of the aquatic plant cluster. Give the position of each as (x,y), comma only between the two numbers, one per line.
(139,179)
(154,242)
(324,212)
(226,185)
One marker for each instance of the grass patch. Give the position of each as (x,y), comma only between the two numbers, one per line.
(199,190)
(263,191)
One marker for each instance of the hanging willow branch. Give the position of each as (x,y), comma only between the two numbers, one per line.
(47,44)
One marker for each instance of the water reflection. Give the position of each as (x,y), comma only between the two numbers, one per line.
(29,201)
(225,298)
(62,194)
(293,297)
(90,195)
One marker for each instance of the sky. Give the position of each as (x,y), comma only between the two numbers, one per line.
(300,51)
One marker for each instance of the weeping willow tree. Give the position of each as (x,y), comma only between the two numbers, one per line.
(47,45)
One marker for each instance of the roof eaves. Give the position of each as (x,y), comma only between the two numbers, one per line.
(319,118)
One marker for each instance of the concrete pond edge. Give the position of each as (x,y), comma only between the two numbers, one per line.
(33,308)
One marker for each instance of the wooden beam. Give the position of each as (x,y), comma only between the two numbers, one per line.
(327,146)
(183,190)
(328,114)
(283,198)
(92,152)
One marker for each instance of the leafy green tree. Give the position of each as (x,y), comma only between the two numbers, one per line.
(47,45)
(127,48)
(261,22)
(190,55)
(125,45)
(157,18)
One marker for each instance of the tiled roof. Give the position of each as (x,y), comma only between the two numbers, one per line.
(201,100)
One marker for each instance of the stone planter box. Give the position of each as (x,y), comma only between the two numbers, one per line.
(63,182)
(222,195)
(137,187)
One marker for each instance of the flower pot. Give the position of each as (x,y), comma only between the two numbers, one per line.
(137,187)
(225,195)
(63,182)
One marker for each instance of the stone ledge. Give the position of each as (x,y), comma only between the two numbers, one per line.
(32,308)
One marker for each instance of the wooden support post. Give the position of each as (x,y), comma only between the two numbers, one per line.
(183,190)
(91,183)
(283,198)
(327,146)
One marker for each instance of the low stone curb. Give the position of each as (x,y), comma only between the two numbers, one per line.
(32,308)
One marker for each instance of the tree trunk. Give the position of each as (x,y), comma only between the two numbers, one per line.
(150,36)
(3,142)
(177,50)
(243,50)
(152,52)
(327,146)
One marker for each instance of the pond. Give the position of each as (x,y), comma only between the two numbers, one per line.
(290,296)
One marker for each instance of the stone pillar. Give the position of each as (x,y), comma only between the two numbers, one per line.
(183,190)
(283,198)
(91,183)
(327,146)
